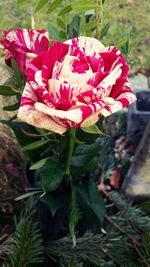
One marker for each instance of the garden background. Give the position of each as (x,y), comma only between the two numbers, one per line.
(126,20)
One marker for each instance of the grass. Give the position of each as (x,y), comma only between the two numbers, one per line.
(121,14)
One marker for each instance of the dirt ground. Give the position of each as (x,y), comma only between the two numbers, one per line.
(11,168)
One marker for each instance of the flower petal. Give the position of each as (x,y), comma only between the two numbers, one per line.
(122,101)
(76,115)
(56,52)
(29,114)
(89,46)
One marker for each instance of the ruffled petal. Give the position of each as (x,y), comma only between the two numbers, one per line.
(89,46)
(122,101)
(55,53)
(29,114)
(76,115)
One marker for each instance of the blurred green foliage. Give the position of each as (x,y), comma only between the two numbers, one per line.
(122,15)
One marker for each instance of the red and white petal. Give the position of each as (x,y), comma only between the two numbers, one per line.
(111,79)
(66,72)
(30,40)
(89,46)
(56,52)
(73,115)
(120,102)
(38,119)
(61,90)
(91,120)
(33,66)
(76,115)
(29,114)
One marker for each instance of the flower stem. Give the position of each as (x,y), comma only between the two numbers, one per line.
(70,152)
(99,16)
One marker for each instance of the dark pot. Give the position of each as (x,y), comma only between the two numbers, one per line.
(52,226)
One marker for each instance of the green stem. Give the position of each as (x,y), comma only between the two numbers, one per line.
(99,18)
(70,152)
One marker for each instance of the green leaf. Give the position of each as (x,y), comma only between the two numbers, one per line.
(65,10)
(56,202)
(29,194)
(74,217)
(62,35)
(13,118)
(17,72)
(12,107)
(6,91)
(35,145)
(61,23)
(122,41)
(104,30)
(36,134)
(91,149)
(38,164)
(54,5)
(89,26)
(92,129)
(92,200)
(51,174)
(40,4)
(81,6)
(53,32)
(73,29)
(84,154)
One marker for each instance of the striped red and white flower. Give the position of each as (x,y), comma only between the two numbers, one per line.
(73,83)
(23,45)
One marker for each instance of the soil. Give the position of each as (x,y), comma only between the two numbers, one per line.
(11,173)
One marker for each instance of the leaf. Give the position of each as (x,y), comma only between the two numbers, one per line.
(40,4)
(13,118)
(81,6)
(65,10)
(36,135)
(56,202)
(35,145)
(90,26)
(6,91)
(122,41)
(12,107)
(62,35)
(17,72)
(84,154)
(92,129)
(51,174)
(38,164)
(92,200)
(8,72)
(53,32)
(61,23)
(73,29)
(91,149)
(29,194)
(54,5)
(74,217)
(104,30)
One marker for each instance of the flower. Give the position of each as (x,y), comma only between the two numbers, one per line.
(22,45)
(73,83)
